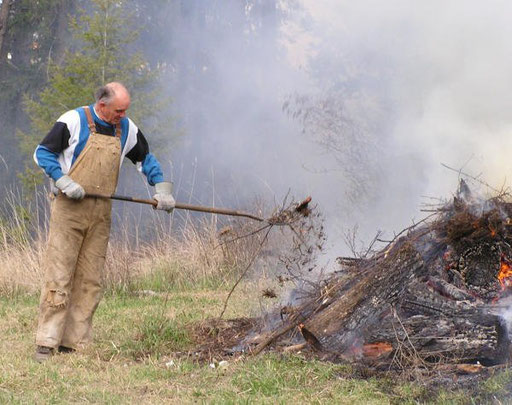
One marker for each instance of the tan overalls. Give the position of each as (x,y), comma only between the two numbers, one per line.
(77,245)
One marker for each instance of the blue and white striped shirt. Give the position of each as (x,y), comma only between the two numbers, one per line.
(63,144)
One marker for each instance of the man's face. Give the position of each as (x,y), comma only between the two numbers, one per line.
(115,110)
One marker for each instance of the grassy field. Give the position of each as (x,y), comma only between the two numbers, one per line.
(138,357)
(145,348)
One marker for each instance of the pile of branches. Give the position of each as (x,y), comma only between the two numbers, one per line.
(433,297)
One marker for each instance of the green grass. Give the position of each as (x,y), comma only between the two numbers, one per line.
(134,359)
(144,327)
(170,276)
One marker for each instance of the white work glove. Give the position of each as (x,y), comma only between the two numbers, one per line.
(53,188)
(164,197)
(70,188)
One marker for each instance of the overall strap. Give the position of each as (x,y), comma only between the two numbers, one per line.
(92,126)
(118,131)
(90,121)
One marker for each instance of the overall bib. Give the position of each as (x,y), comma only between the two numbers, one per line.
(77,245)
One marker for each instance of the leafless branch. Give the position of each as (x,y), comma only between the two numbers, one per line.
(255,255)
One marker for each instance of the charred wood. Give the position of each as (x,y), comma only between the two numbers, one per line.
(434,294)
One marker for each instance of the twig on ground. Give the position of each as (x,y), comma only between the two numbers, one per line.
(244,272)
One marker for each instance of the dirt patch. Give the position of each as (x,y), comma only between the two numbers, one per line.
(216,340)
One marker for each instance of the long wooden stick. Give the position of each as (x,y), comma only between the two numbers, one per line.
(181,206)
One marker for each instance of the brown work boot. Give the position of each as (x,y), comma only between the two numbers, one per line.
(43,353)
(65,349)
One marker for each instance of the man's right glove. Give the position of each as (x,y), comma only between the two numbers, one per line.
(164,197)
(70,188)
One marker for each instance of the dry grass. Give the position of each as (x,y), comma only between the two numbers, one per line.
(21,246)
(198,254)
(21,262)
(202,253)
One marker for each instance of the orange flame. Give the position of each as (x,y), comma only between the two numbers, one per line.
(505,274)
(374,350)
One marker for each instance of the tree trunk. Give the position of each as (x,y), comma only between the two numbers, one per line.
(4,15)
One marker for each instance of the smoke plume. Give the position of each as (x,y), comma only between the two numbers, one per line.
(379,95)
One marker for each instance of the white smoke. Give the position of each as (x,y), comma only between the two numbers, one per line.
(432,78)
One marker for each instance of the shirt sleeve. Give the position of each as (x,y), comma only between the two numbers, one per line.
(48,161)
(149,165)
(47,152)
(58,138)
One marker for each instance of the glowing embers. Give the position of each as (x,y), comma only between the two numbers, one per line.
(369,351)
(493,231)
(505,274)
(376,350)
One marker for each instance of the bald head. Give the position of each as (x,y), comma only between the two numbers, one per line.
(112,102)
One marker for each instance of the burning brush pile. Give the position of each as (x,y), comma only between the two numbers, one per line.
(436,294)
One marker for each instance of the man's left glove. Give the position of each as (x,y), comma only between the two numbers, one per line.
(164,197)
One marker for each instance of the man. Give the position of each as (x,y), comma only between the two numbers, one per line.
(82,155)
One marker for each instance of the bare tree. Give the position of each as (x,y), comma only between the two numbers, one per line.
(345,124)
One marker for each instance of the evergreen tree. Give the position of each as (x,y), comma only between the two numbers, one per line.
(103,54)
(33,32)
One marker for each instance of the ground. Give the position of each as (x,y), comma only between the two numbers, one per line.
(153,348)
